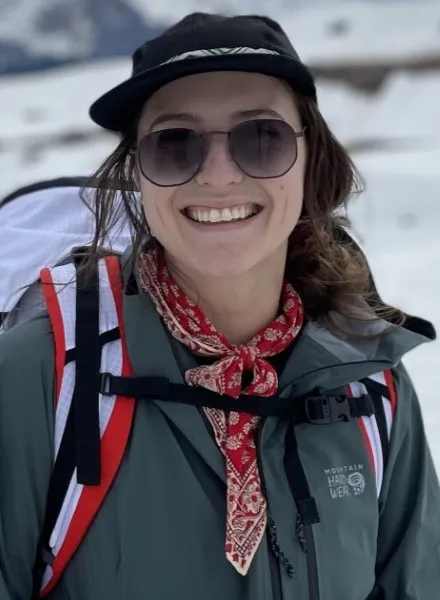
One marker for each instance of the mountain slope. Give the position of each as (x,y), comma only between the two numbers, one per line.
(36,34)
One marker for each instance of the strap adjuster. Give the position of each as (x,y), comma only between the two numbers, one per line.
(46,556)
(135,387)
(44,559)
(106,384)
(323,410)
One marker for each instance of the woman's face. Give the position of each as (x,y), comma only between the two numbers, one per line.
(181,217)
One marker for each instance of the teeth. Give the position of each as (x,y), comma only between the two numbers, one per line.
(223,215)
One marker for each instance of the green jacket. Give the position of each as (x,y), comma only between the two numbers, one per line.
(160,532)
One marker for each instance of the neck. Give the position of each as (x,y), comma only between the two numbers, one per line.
(237,306)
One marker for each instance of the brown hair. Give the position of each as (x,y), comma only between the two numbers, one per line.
(326,268)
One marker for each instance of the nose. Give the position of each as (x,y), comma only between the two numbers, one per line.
(218,169)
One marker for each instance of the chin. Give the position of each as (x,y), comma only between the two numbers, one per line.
(230,266)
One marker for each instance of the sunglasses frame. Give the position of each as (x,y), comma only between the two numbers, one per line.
(202,136)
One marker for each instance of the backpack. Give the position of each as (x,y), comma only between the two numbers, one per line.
(50,218)
(96,392)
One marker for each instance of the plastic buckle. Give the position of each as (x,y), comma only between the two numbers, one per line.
(46,556)
(106,384)
(332,408)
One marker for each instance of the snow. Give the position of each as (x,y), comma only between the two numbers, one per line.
(20,23)
(418,116)
(331,32)
(324,33)
(58,101)
(388,32)
(397,221)
(43,107)
(23,165)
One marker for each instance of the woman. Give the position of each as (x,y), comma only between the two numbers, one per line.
(291,461)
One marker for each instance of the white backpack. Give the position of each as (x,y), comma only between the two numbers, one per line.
(40,225)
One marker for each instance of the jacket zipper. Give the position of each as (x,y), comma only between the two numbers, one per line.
(312,564)
(274,565)
(275,574)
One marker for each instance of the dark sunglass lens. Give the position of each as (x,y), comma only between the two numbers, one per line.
(171,156)
(264,148)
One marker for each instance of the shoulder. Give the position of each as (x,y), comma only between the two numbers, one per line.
(27,342)
(27,376)
(407,400)
(26,444)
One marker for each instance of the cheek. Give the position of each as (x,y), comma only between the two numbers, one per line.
(287,196)
(293,187)
(156,201)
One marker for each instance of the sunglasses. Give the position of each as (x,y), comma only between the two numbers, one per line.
(261,148)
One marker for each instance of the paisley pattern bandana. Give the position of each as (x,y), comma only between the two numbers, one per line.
(235,433)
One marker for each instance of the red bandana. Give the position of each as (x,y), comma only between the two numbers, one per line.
(235,432)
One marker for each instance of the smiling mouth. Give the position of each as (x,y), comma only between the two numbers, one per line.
(222,215)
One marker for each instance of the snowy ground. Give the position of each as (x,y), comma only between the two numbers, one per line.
(45,132)
(398,220)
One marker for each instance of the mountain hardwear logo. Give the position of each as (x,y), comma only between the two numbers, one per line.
(348,480)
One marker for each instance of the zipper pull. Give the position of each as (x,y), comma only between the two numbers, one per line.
(300,534)
(276,548)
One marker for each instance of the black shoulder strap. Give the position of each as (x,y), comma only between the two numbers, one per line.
(320,407)
(87,379)
(80,445)
(377,392)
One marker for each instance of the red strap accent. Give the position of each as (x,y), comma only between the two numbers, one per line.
(389,379)
(56,319)
(113,446)
(365,435)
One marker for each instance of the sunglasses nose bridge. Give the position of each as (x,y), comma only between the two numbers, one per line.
(218,162)
(210,137)
(214,138)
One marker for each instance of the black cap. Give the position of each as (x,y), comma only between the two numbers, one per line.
(200,43)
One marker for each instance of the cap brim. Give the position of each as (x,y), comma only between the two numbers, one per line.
(117,109)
